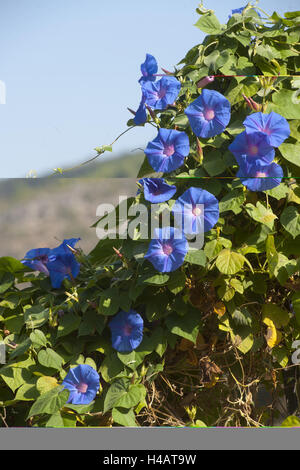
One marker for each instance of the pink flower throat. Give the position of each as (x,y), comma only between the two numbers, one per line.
(169,150)
(209,114)
(82,387)
(167,249)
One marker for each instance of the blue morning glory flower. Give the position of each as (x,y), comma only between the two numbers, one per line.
(157,190)
(240,11)
(253,146)
(149,69)
(162,93)
(126,331)
(37,259)
(83,382)
(63,248)
(141,113)
(62,266)
(167,151)
(62,263)
(197,219)
(237,10)
(167,251)
(209,114)
(259,176)
(275,127)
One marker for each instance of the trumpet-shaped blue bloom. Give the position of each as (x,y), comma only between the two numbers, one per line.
(141,113)
(58,263)
(275,127)
(162,93)
(63,248)
(198,209)
(157,190)
(62,263)
(167,151)
(62,266)
(126,331)
(259,176)
(149,69)
(167,251)
(252,146)
(83,382)
(37,259)
(240,11)
(209,114)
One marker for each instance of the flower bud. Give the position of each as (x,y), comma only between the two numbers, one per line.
(205,81)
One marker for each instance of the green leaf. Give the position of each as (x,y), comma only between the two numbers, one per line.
(55,421)
(285,103)
(186,326)
(209,23)
(291,422)
(291,152)
(111,367)
(278,316)
(46,383)
(281,355)
(68,323)
(124,417)
(109,301)
(156,279)
(195,257)
(261,214)
(11,265)
(176,282)
(50,402)
(118,389)
(135,394)
(296,306)
(90,323)
(232,201)
(6,281)
(290,219)
(27,391)
(49,358)
(229,262)
(37,337)
(36,316)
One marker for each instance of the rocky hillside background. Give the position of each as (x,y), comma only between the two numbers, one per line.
(41,212)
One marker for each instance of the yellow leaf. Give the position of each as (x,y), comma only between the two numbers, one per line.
(219,309)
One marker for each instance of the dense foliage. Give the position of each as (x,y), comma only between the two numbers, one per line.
(221,324)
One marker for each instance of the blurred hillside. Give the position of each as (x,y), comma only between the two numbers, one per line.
(41,212)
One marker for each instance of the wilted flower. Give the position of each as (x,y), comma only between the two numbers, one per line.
(167,151)
(83,383)
(259,176)
(197,219)
(126,331)
(253,146)
(167,251)
(209,114)
(157,190)
(275,127)
(162,93)
(149,69)
(37,259)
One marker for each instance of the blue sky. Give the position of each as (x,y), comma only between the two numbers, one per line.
(71,69)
